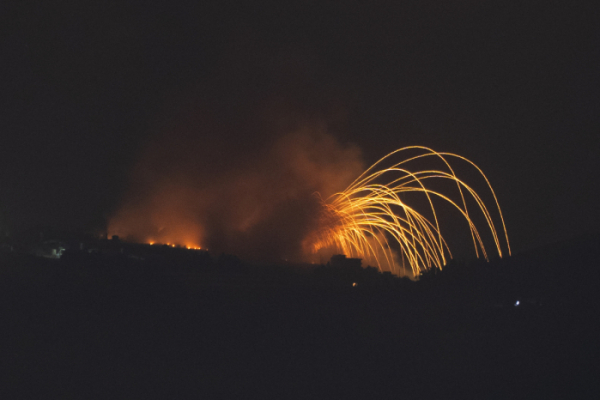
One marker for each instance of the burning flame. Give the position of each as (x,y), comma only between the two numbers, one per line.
(187,246)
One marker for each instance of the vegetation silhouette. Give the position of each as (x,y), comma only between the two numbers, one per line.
(157,320)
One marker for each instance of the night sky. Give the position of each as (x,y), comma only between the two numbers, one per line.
(87,88)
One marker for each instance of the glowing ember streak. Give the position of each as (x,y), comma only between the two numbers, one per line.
(370,219)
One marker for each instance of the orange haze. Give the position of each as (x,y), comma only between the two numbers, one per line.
(255,200)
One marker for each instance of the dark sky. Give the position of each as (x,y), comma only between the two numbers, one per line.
(85,86)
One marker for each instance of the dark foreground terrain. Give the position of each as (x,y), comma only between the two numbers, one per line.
(90,328)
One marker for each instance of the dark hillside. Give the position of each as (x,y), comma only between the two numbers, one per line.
(91,328)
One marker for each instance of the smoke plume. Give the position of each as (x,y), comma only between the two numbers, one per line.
(234,191)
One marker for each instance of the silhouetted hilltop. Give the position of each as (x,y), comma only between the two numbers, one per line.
(158,321)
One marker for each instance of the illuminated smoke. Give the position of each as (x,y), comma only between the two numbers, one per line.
(252,198)
(270,196)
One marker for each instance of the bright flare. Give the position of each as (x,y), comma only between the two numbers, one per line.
(370,219)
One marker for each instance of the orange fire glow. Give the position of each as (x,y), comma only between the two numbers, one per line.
(175,245)
(257,205)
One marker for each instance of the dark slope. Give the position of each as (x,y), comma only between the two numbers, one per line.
(123,329)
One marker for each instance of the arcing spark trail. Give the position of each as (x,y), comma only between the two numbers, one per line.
(371,220)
